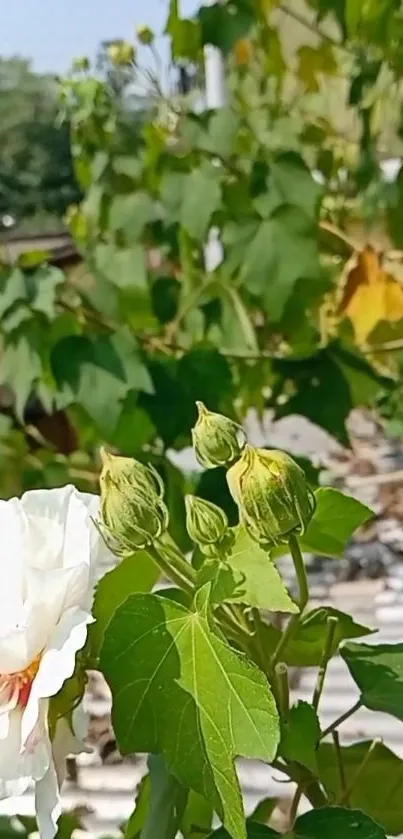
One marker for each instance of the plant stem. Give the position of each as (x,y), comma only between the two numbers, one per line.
(312,789)
(341,719)
(331,626)
(258,638)
(169,564)
(340,766)
(294,805)
(303,597)
(300,571)
(347,792)
(282,689)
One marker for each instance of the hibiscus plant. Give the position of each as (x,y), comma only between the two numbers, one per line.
(198,668)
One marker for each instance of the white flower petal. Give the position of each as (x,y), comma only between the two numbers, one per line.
(20,765)
(46,514)
(57,663)
(11,565)
(47,804)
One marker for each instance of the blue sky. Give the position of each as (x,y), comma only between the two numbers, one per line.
(53,32)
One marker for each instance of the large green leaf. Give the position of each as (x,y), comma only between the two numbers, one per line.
(378,672)
(133,574)
(179,689)
(373,791)
(201,197)
(336,518)
(98,373)
(300,734)
(42,286)
(166,804)
(138,817)
(336,823)
(283,250)
(325,823)
(21,367)
(125,267)
(224,23)
(306,646)
(130,213)
(254,831)
(197,817)
(247,575)
(289,182)
(326,386)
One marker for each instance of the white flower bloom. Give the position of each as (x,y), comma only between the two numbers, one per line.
(50,558)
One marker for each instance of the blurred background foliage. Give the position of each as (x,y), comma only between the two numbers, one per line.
(112,339)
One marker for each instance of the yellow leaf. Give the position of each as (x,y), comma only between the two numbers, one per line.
(243,51)
(313,63)
(370,294)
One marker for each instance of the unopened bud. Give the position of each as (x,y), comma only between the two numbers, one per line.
(145,35)
(81,64)
(272,495)
(133,512)
(121,54)
(206,523)
(217,440)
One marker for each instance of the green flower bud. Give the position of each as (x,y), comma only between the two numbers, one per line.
(145,35)
(81,64)
(272,495)
(133,513)
(217,440)
(206,523)
(121,53)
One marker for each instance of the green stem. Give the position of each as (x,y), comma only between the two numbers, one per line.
(331,626)
(259,640)
(302,777)
(173,565)
(282,689)
(341,719)
(294,805)
(303,598)
(300,571)
(340,766)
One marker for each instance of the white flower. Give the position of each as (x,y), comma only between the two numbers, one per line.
(50,557)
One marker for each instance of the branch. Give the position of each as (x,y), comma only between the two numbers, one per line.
(341,719)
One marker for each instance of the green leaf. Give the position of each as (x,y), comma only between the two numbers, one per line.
(137,573)
(336,518)
(222,131)
(224,24)
(322,390)
(130,213)
(125,267)
(21,368)
(306,647)
(290,183)
(373,791)
(197,817)
(12,289)
(335,823)
(93,375)
(45,282)
(185,34)
(283,250)
(247,575)
(167,802)
(394,211)
(378,672)
(254,831)
(202,196)
(161,662)
(300,736)
(263,810)
(139,815)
